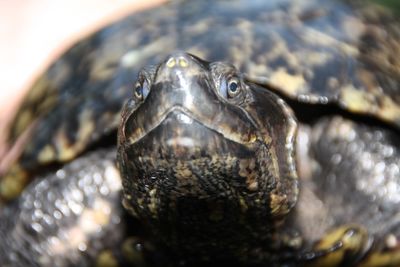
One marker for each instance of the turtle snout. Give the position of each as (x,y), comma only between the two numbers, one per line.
(179,69)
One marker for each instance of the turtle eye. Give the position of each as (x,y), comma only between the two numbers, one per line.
(230,88)
(233,87)
(141,89)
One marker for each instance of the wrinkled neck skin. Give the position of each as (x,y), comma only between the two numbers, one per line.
(210,176)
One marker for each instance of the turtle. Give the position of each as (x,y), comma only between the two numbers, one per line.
(252,133)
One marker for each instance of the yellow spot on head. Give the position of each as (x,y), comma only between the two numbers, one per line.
(171,63)
(183,62)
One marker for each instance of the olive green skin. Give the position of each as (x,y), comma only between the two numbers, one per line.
(331,60)
(202,167)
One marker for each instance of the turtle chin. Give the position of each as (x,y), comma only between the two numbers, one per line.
(182,180)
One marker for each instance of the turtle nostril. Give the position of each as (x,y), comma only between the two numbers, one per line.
(171,62)
(182,62)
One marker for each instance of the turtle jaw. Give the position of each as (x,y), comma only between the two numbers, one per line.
(180,136)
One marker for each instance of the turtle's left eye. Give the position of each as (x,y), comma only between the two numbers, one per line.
(233,87)
(230,88)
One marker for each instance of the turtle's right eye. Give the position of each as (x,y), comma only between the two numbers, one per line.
(141,89)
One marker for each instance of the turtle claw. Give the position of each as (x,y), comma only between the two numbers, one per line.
(343,246)
(389,256)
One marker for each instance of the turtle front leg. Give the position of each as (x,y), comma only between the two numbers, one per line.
(71,218)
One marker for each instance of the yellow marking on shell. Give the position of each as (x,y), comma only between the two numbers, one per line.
(138,56)
(23,119)
(292,84)
(381,106)
(47,154)
(241,45)
(313,36)
(199,27)
(66,150)
(353,240)
(13,183)
(106,259)
(42,96)
(153,202)
(389,110)
(356,100)
(38,90)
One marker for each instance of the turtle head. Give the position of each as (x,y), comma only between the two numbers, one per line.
(203,150)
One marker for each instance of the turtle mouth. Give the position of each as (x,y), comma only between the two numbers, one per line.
(178,134)
(178,120)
